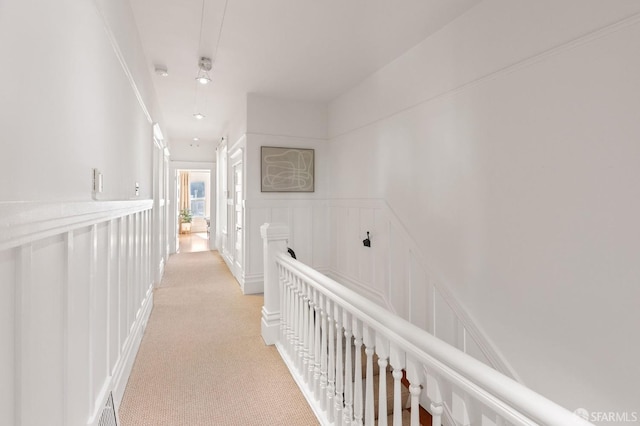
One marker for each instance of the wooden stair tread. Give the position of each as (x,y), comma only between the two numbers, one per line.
(404,393)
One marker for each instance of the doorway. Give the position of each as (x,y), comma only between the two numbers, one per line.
(194,210)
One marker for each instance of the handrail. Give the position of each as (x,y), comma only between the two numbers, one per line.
(507,397)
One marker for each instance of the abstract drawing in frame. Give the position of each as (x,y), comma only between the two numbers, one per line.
(287,169)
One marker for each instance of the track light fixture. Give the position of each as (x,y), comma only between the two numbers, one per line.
(204,65)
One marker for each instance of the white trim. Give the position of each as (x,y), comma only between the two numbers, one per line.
(23,222)
(119,55)
(361,288)
(314,138)
(486,346)
(123,368)
(192,165)
(270,326)
(447,416)
(520,64)
(237,144)
(252,284)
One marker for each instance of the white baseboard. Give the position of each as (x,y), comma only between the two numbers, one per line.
(253,284)
(123,368)
(270,326)
(160,270)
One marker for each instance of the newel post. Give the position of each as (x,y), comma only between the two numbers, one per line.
(274,238)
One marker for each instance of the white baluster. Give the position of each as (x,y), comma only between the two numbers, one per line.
(298,324)
(285,310)
(317,345)
(331,369)
(323,355)
(382,349)
(396,359)
(339,399)
(348,375)
(436,413)
(415,390)
(294,320)
(282,286)
(369,408)
(397,400)
(414,376)
(312,348)
(305,332)
(357,386)
(290,316)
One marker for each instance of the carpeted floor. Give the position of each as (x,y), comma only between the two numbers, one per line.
(202,360)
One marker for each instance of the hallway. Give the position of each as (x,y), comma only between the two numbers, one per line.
(202,360)
(193,242)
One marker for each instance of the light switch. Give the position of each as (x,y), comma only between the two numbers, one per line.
(97,181)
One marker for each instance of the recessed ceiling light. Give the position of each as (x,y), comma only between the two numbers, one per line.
(162,71)
(198,116)
(196,139)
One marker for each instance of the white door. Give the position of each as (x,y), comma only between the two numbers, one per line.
(238,213)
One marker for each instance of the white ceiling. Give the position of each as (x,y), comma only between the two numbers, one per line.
(293,49)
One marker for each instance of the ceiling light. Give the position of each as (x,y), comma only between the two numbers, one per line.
(196,139)
(203,79)
(162,71)
(198,116)
(203,73)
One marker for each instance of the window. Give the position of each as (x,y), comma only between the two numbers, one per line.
(197,199)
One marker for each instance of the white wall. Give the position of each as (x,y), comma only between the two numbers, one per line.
(198,151)
(285,123)
(66,104)
(507,146)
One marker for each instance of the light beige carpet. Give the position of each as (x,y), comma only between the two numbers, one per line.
(202,360)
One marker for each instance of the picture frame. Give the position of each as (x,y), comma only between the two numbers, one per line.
(287,169)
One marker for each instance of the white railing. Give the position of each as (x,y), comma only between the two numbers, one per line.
(306,311)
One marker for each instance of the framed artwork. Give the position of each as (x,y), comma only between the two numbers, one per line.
(287,169)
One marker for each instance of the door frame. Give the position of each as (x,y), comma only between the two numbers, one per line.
(174,167)
(236,159)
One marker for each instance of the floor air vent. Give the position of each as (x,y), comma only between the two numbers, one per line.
(108,417)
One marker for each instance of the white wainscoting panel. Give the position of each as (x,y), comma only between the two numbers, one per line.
(7,332)
(393,273)
(75,295)
(309,225)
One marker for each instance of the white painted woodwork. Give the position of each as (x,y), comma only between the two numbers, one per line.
(513,164)
(392,273)
(471,389)
(76,294)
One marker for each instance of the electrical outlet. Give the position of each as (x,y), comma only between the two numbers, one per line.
(137,189)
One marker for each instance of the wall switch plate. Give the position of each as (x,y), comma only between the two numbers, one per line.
(97,181)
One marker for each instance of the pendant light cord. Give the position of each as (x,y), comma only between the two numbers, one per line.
(224,13)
